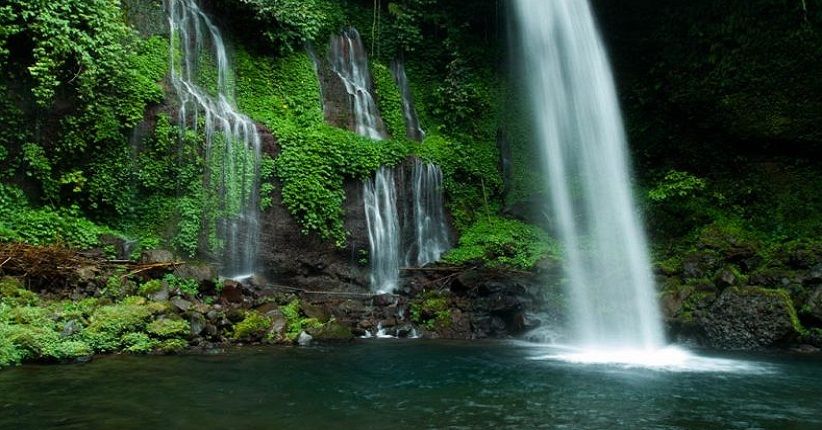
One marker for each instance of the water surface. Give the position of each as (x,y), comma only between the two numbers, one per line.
(391,384)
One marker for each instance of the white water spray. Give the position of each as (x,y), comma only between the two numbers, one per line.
(579,126)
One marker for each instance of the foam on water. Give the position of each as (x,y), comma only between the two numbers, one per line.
(670,358)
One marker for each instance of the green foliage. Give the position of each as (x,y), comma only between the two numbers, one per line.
(90,78)
(389,100)
(254,326)
(267,170)
(431,310)
(19,222)
(108,324)
(172,346)
(295,322)
(187,286)
(87,72)
(290,23)
(151,287)
(471,176)
(13,293)
(500,242)
(676,184)
(138,343)
(315,158)
(313,166)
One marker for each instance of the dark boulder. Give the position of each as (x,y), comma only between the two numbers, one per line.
(750,319)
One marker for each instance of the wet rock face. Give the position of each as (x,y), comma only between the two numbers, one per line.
(749,319)
(813,307)
(288,257)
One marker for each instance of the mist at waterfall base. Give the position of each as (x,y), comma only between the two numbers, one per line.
(232,143)
(613,310)
(419,384)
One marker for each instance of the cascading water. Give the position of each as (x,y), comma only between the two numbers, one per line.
(349,61)
(231,138)
(579,125)
(382,219)
(412,122)
(429,224)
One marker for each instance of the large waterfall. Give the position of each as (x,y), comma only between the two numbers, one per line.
(579,126)
(231,138)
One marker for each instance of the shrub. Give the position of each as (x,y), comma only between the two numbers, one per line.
(500,242)
(166,328)
(253,326)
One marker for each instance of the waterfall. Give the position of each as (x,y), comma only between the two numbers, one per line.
(579,127)
(424,222)
(429,224)
(382,219)
(412,123)
(349,61)
(232,144)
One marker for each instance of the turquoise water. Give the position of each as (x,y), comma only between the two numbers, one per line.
(393,384)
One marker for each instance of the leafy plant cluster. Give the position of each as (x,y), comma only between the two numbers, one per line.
(20,222)
(431,310)
(315,158)
(773,201)
(82,78)
(289,24)
(503,243)
(295,322)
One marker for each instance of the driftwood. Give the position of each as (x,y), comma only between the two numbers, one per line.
(59,265)
(40,261)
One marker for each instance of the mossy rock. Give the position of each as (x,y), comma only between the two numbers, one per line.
(331,331)
(168,328)
(751,318)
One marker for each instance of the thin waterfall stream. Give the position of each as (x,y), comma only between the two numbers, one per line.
(422,237)
(579,127)
(232,143)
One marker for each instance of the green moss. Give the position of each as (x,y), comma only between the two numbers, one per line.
(109,323)
(784,298)
(254,326)
(167,328)
(171,346)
